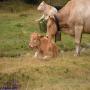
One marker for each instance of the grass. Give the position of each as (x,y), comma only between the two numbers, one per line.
(66,72)
(15,30)
(19,68)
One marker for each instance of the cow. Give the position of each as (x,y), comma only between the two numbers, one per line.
(43,46)
(46,10)
(74,19)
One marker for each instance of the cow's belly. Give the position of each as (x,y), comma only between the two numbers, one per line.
(68,31)
(87,25)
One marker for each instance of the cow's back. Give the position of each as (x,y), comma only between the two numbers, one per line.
(82,14)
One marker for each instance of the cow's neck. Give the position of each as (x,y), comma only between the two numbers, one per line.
(47,9)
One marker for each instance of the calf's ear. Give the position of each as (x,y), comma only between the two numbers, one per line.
(52,17)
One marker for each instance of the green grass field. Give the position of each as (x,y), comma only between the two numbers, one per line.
(17,64)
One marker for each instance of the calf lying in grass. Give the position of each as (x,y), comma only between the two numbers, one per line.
(44,47)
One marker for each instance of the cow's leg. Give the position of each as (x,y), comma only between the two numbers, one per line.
(78,37)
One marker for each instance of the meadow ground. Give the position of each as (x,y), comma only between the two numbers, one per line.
(19,68)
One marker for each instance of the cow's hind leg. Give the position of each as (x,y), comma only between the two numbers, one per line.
(78,37)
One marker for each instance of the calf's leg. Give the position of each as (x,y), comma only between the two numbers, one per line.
(36,54)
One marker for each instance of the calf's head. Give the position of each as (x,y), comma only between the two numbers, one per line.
(53,24)
(34,40)
(51,20)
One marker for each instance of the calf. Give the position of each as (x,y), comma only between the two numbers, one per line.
(44,47)
(51,27)
(53,30)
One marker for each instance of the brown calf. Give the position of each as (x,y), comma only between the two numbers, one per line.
(44,47)
(53,30)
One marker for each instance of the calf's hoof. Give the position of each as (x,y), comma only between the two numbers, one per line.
(45,57)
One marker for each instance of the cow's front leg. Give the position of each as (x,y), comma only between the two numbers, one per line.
(77,53)
(78,37)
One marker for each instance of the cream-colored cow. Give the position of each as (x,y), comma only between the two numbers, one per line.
(46,9)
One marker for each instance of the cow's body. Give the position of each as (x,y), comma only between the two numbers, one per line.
(46,10)
(74,19)
(44,47)
(75,13)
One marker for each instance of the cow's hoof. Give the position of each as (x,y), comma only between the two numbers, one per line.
(76,55)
